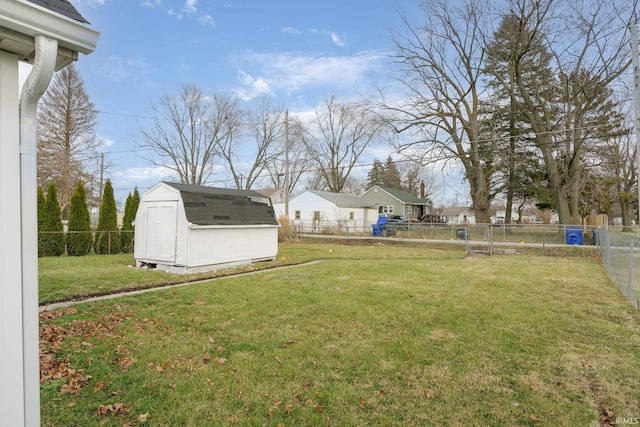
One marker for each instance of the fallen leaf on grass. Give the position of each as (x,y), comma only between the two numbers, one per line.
(318,408)
(142,418)
(288,407)
(117,408)
(427,392)
(99,386)
(534,418)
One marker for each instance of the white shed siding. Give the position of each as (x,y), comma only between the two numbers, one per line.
(221,245)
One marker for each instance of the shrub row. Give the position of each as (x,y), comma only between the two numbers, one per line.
(53,241)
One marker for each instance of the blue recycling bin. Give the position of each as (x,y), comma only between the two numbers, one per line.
(377,230)
(574,236)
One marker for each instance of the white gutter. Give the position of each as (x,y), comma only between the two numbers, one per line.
(34,87)
(30,19)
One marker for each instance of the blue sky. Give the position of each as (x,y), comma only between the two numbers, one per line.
(293,51)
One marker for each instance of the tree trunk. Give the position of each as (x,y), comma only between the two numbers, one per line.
(627,209)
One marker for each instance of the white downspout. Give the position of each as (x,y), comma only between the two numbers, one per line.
(34,87)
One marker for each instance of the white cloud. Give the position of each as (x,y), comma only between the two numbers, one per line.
(289,30)
(142,175)
(336,39)
(207,19)
(105,142)
(118,68)
(293,73)
(190,6)
(252,87)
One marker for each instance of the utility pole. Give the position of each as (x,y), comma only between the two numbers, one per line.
(101,178)
(286,163)
(636,95)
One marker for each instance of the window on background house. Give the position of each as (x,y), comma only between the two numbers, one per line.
(316,215)
(387,209)
(351,216)
(297,215)
(409,209)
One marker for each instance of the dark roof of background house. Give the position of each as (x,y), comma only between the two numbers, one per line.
(63,7)
(405,196)
(224,206)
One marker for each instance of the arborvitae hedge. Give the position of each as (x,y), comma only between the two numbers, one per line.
(79,238)
(130,210)
(53,238)
(107,234)
(41,203)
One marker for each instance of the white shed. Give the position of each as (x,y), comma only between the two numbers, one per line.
(189,228)
(325,212)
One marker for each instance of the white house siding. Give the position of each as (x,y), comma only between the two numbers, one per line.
(332,217)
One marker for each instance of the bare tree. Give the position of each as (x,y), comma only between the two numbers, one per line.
(581,49)
(337,137)
(440,66)
(297,157)
(186,130)
(66,135)
(259,142)
(618,169)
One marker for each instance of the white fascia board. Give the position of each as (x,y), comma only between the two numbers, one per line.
(237,227)
(30,19)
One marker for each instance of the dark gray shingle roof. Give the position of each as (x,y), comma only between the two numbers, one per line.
(63,7)
(405,196)
(224,206)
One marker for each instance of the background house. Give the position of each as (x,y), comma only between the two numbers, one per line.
(324,212)
(277,195)
(458,215)
(188,228)
(398,202)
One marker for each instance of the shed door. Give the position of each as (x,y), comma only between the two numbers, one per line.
(162,222)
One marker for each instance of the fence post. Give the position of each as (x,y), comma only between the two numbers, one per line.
(490,240)
(630,284)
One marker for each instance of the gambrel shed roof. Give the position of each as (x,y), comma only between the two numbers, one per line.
(224,206)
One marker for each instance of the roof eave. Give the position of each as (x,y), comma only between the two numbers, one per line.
(22,21)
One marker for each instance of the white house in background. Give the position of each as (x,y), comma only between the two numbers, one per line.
(277,195)
(184,228)
(322,212)
(458,215)
(49,34)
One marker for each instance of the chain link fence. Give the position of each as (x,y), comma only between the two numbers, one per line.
(621,256)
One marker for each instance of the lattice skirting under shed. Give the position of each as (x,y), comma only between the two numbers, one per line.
(181,269)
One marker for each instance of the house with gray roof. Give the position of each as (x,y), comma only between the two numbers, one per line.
(397,202)
(183,228)
(315,211)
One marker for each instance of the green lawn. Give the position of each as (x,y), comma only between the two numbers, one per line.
(372,335)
